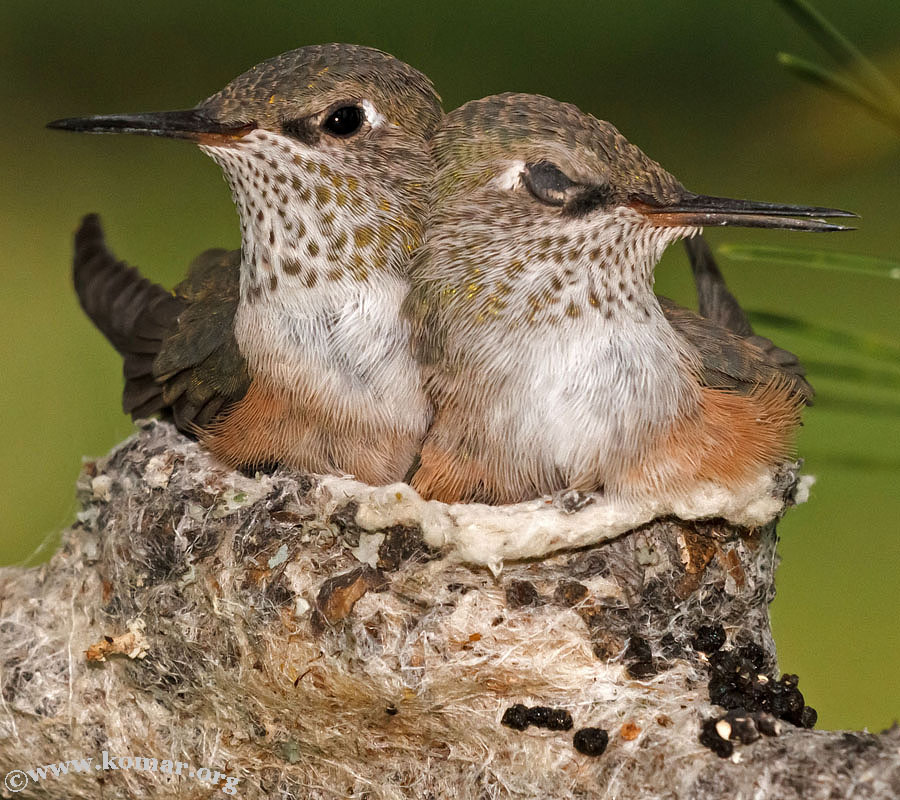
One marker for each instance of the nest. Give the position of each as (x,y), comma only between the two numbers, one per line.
(282,635)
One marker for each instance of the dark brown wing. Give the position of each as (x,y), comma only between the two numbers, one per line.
(180,355)
(200,366)
(733,362)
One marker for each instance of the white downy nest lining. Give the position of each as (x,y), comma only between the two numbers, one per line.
(319,638)
(490,535)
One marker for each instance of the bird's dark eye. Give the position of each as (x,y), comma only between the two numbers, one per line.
(548,183)
(344,121)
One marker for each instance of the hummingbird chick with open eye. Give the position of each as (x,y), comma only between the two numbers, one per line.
(551,363)
(293,349)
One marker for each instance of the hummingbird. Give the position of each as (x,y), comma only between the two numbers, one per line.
(291,350)
(550,362)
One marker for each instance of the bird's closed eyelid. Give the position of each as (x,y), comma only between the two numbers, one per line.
(552,186)
(548,183)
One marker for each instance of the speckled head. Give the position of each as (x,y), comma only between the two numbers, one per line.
(542,212)
(325,150)
(489,142)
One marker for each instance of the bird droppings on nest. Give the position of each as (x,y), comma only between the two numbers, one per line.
(522,593)
(755,701)
(519,717)
(283,647)
(721,734)
(739,681)
(591,741)
(709,639)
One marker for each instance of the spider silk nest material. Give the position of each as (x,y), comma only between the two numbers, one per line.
(317,638)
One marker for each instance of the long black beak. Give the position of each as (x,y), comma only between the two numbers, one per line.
(698,210)
(192,124)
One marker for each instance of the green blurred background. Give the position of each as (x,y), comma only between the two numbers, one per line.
(692,82)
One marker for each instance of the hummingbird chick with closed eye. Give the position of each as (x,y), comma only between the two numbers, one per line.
(292,350)
(551,363)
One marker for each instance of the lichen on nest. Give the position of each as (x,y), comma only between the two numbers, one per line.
(281,630)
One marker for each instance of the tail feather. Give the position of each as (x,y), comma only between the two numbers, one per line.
(131,312)
(156,321)
(142,394)
(138,365)
(714,299)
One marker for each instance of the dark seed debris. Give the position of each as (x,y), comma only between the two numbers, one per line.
(519,717)
(591,741)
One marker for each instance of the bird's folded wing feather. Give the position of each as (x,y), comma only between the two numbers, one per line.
(732,362)
(181,357)
(199,363)
(716,303)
